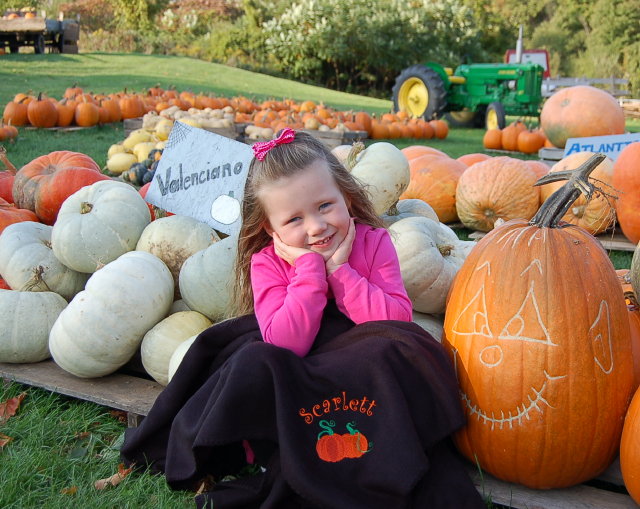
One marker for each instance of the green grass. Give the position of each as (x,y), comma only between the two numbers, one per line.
(60,447)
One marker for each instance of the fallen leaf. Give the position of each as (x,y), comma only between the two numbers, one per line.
(4,440)
(115,479)
(69,491)
(10,407)
(120,415)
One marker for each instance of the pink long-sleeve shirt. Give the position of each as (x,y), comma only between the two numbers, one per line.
(289,300)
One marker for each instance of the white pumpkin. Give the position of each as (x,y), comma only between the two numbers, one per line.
(173,239)
(97,224)
(341,152)
(159,343)
(102,327)
(206,278)
(433,324)
(410,207)
(384,170)
(430,255)
(178,355)
(27,318)
(27,262)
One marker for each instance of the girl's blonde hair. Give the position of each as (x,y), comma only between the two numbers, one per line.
(281,161)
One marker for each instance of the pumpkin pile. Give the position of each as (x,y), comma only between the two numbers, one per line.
(515,137)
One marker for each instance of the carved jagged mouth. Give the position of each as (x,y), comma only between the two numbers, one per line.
(513,416)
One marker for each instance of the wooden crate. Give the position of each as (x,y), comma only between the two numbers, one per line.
(135,395)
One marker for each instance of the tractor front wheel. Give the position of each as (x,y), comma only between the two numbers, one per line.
(495,117)
(419,91)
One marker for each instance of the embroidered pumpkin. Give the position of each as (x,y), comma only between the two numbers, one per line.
(44,183)
(533,384)
(330,446)
(355,443)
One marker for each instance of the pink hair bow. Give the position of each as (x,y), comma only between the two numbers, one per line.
(260,149)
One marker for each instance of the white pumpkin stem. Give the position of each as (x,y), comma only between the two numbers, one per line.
(356,148)
(36,280)
(445,249)
(85,207)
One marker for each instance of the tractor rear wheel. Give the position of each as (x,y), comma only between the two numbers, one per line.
(495,117)
(419,91)
(465,118)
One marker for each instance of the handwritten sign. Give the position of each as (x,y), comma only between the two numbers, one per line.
(202,175)
(611,146)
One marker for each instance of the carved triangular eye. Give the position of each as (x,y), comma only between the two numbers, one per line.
(474,313)
(600,335)
(526,324)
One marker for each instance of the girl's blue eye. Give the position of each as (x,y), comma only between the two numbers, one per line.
(325,205)
(293,219)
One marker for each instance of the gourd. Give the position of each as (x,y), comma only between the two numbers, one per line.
(578,112)
(160,342)
(173,239)
(430,255)
(383,169)
(27,262)
(630,449)
(97,224)
(500,187)
(27,318)
(626,178)
(43,184)
(102,327)
(178,354)
(409,207)
(206,276)
(536,387)
(596,214)
(119,162)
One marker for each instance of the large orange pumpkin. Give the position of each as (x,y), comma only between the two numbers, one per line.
(598,213)
(498,188)
(538,331)
(44,183)
(576,112)
(41,112)
(630,449)
(626,178)
(436,185)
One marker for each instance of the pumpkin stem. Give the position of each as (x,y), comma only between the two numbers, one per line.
(393,210)
(351,427)
(356,148)
(36,281)
(554,209)
(327,426)
(85,207)
(445,249)
(3,157)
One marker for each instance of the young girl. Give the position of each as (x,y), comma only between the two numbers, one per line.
(323,383)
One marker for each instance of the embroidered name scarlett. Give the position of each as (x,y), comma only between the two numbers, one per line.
(336,404)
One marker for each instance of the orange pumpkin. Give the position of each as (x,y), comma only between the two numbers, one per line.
(473,158)
(539,168)
(538,332)
(10,214)
(492,139)
(597,214)
(576,112)
(436,185)
(87,114)
(510,137)
(44,183)
(630,449)
(422,162)
(355,443)
(15,113)
(66,112)
(414,151)
(41,112)
(498,188)
(330,446)
(440,128)
(529,142)
(626,178)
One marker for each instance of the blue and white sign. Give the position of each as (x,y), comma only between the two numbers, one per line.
(611,146)
(202,175)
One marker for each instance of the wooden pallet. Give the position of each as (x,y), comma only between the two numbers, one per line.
(611,241)
(135,395)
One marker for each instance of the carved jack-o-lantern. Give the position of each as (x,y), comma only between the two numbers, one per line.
(537,328)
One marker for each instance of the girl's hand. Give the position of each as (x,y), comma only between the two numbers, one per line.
(288,253)
(342,252)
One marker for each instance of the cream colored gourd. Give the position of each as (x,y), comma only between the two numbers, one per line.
(434,325)
(410,207)
(120,162)
(430,255)
(27,262)
(97,224)
(206,278)
(102,327)
(27,318)
(173,239)
(178,355)
(384,170)
(159,343)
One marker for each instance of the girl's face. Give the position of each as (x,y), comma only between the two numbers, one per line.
(307,210)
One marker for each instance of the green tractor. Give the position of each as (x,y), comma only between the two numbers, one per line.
(478,95)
